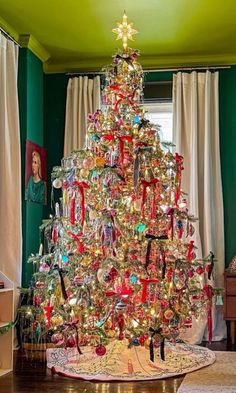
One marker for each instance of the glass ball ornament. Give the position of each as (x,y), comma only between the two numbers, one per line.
(88,163)
(57,183)
(70,342)
(84,173)
(56,338)
(100,350)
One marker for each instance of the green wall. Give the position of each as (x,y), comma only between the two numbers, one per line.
(227,94)
(30,86)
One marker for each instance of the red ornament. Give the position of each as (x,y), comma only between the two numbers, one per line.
(100,350)
(70,342)
(199,270)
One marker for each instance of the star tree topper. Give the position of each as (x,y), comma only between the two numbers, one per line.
(125,31)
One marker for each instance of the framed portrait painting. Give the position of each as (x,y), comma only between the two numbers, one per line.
(35,173)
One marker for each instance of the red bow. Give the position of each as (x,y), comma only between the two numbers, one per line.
(121,139)
(123,97)
(81,186)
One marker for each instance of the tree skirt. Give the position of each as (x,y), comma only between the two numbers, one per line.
(121,363)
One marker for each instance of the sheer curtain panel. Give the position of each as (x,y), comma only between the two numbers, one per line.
(83,97)
(196,135)
(10,164)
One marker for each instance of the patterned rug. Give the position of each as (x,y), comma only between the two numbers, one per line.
(219,377)
(121,363)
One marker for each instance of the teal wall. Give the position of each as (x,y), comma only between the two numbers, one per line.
(227,92)
(30,86)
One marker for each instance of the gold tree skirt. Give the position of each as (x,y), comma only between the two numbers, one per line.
(123,364)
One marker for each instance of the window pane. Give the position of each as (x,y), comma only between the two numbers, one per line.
(161,114)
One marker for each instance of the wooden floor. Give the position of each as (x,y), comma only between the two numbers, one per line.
(30,376)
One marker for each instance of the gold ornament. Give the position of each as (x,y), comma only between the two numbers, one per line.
(84,173)
(100,162)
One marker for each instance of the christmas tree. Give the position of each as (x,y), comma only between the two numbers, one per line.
(118,261)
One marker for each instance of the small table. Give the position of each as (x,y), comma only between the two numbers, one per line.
(230,302)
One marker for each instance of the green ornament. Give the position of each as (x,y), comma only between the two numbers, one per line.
(140,227)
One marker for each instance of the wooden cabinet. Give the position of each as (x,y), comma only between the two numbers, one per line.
(230,302)
(6,316)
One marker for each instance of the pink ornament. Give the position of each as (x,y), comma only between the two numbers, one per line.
(190,273)
(44,267)
(100,350)
(88,163)
(56,338)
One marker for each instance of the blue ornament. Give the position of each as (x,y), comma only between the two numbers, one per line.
(95,138)
(65,258)
(133,279)
(136,119)
(100,323)
(135,342)
(180,224)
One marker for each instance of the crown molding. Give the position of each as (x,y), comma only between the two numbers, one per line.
(82,65)
(9,29)
(147,62)
(30,42)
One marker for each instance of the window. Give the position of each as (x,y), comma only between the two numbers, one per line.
(159,107)
(161,113)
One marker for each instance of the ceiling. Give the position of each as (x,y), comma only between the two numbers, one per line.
(76,35)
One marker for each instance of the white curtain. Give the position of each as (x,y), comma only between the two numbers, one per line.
(196,136)
(83,97)
(10,164)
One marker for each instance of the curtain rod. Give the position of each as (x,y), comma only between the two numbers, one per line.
(188,68)
(9,37)
(155,70)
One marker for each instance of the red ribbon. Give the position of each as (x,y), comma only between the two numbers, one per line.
(121,324)
(80,246)
(81,185)
(146,184)
(121,140)
(145,282)
(171,227)
(72,211)
(48,309)
(179,163)
(54,235)
(190,251)
(209,293)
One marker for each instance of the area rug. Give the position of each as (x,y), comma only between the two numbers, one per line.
(220,377)
(121,363)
